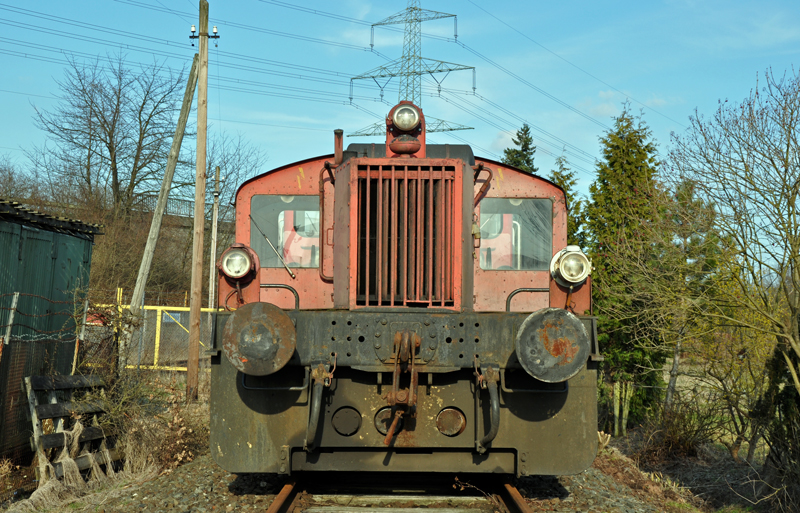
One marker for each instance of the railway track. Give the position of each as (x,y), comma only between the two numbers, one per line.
(368,494)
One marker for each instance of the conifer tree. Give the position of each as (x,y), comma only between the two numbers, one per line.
(521,157)
(626,171)
(564,177)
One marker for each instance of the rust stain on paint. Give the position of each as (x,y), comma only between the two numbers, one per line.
(561,348)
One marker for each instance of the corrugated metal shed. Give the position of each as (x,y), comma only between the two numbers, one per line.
(46,259)
(42,255)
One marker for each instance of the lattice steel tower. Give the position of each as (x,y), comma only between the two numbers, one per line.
(411,66)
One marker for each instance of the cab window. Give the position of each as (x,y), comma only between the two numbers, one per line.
(516,234)
(291,223)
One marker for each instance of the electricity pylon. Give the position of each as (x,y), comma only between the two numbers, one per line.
(411,66)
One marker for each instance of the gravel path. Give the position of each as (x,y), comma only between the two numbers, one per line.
(202,486)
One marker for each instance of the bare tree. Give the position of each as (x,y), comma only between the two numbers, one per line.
(109,134)
(238,161)
(13,183)
(745,161)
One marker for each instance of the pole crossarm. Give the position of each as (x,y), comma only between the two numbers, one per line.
(440,125)
(432,125)
(426,66)
(414,14)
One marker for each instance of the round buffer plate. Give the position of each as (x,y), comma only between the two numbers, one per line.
(552,345)
(259,339)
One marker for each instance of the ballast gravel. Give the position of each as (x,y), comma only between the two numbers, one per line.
(201,486)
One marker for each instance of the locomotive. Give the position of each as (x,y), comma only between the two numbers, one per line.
(403,307)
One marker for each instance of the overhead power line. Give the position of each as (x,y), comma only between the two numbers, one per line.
(576,66)
(318,74)
(466,47)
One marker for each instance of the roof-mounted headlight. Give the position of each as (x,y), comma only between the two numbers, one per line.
(236,262)
(570,267)
(406,118)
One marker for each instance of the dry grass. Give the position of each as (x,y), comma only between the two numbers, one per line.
(151,423)
(7,486)
(652,487)
(711,475)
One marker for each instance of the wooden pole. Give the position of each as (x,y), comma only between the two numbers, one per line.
(166,185)
(195,300)
(158,213)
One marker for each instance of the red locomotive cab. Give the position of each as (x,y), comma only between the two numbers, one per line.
(403,305)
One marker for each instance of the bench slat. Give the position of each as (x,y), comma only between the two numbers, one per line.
(51,411)
(65,382)
(59,439)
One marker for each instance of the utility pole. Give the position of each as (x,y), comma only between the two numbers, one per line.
(212,276)
(158,214)
(195,301)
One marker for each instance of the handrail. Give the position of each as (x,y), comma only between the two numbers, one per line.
(322,233)
(485,186)
(282,286)
(517,291)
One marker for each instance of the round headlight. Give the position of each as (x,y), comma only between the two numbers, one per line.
(406,118)
(236,263)
(570,266)
(573,267)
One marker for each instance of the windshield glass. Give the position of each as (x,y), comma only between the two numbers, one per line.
(292,225)
(516,234)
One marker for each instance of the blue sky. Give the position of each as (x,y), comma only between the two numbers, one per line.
(280,75)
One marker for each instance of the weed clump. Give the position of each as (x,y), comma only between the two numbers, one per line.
(680,430)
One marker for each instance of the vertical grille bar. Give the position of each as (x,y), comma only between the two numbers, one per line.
(385,240)
(406,239)
(420,235)
(442,238)
(379,238)
(359,234)
(395,242)
(448,273)
(367,233)
(430,256)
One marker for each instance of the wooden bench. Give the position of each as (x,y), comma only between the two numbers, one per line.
(43,400)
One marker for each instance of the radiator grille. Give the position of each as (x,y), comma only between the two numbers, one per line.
(405,235)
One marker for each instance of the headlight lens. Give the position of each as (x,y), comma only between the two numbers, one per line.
(570,266)
(573,267)
(405,118)
(236,263)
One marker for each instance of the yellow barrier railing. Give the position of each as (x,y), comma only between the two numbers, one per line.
(160,311)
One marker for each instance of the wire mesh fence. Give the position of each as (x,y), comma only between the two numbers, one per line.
(37,338)
(161,339)
(40,337)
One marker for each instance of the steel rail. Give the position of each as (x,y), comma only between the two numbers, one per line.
(503,494)
(513,500)
(285,498)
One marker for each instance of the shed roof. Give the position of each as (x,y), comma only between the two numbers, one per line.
(17,212)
